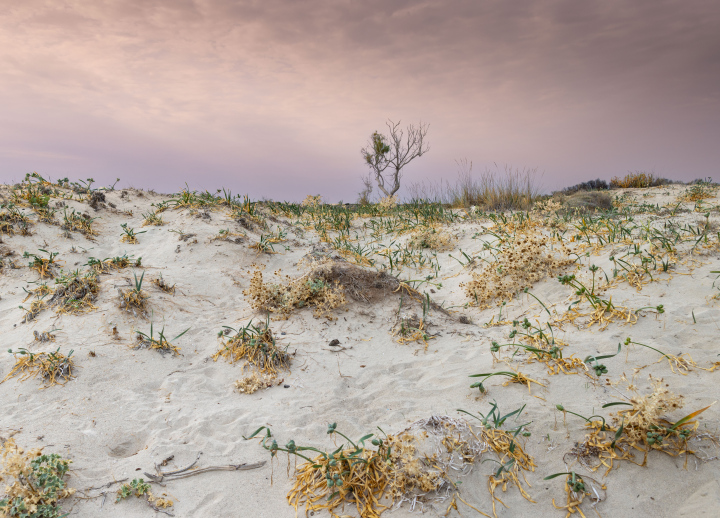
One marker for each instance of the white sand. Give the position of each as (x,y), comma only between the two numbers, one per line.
(128,409)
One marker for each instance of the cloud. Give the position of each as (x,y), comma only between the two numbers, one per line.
(179,89)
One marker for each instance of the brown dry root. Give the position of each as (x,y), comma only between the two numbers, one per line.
(578,488)
(32,481)
(432,238)
(55,368)
(520,264)
(257,346)
(306,290)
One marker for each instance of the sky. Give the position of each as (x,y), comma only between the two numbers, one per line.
(275,98)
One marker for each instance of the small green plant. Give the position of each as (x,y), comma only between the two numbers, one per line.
(139,488)
(265,245)
(129,235)
(586,419)
(135,299)
(598,367)
(152,218)
(161,343)
(515,377)
(43,265)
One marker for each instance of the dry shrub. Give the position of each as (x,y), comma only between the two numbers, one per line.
(360,284)
(312,201)
(76,296)
(54,367)
(520,264)
(432,238)
(638,179)
(254,382)
(644,427)
(388,202)
(548,207)
(700,190)
(417,466)
(34,482)
(134,300)
(257,346)
(310,289)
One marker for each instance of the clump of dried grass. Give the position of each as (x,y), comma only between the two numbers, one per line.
(418,466)
(135,299)
(307,290)
(257,346)
(254,382)
(638,179)
(388,202)
(491,190)
(433,239)
(54,367)
(521,262)
(76,295)
(312,201)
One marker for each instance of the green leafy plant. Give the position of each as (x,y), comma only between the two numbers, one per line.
(35,482)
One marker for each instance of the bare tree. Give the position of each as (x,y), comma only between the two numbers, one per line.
(394,152)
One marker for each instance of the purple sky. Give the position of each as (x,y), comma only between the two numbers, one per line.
(275,98)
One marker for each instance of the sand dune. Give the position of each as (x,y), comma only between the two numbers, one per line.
(128,408)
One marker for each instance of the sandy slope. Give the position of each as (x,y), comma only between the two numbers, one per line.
(128,409)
